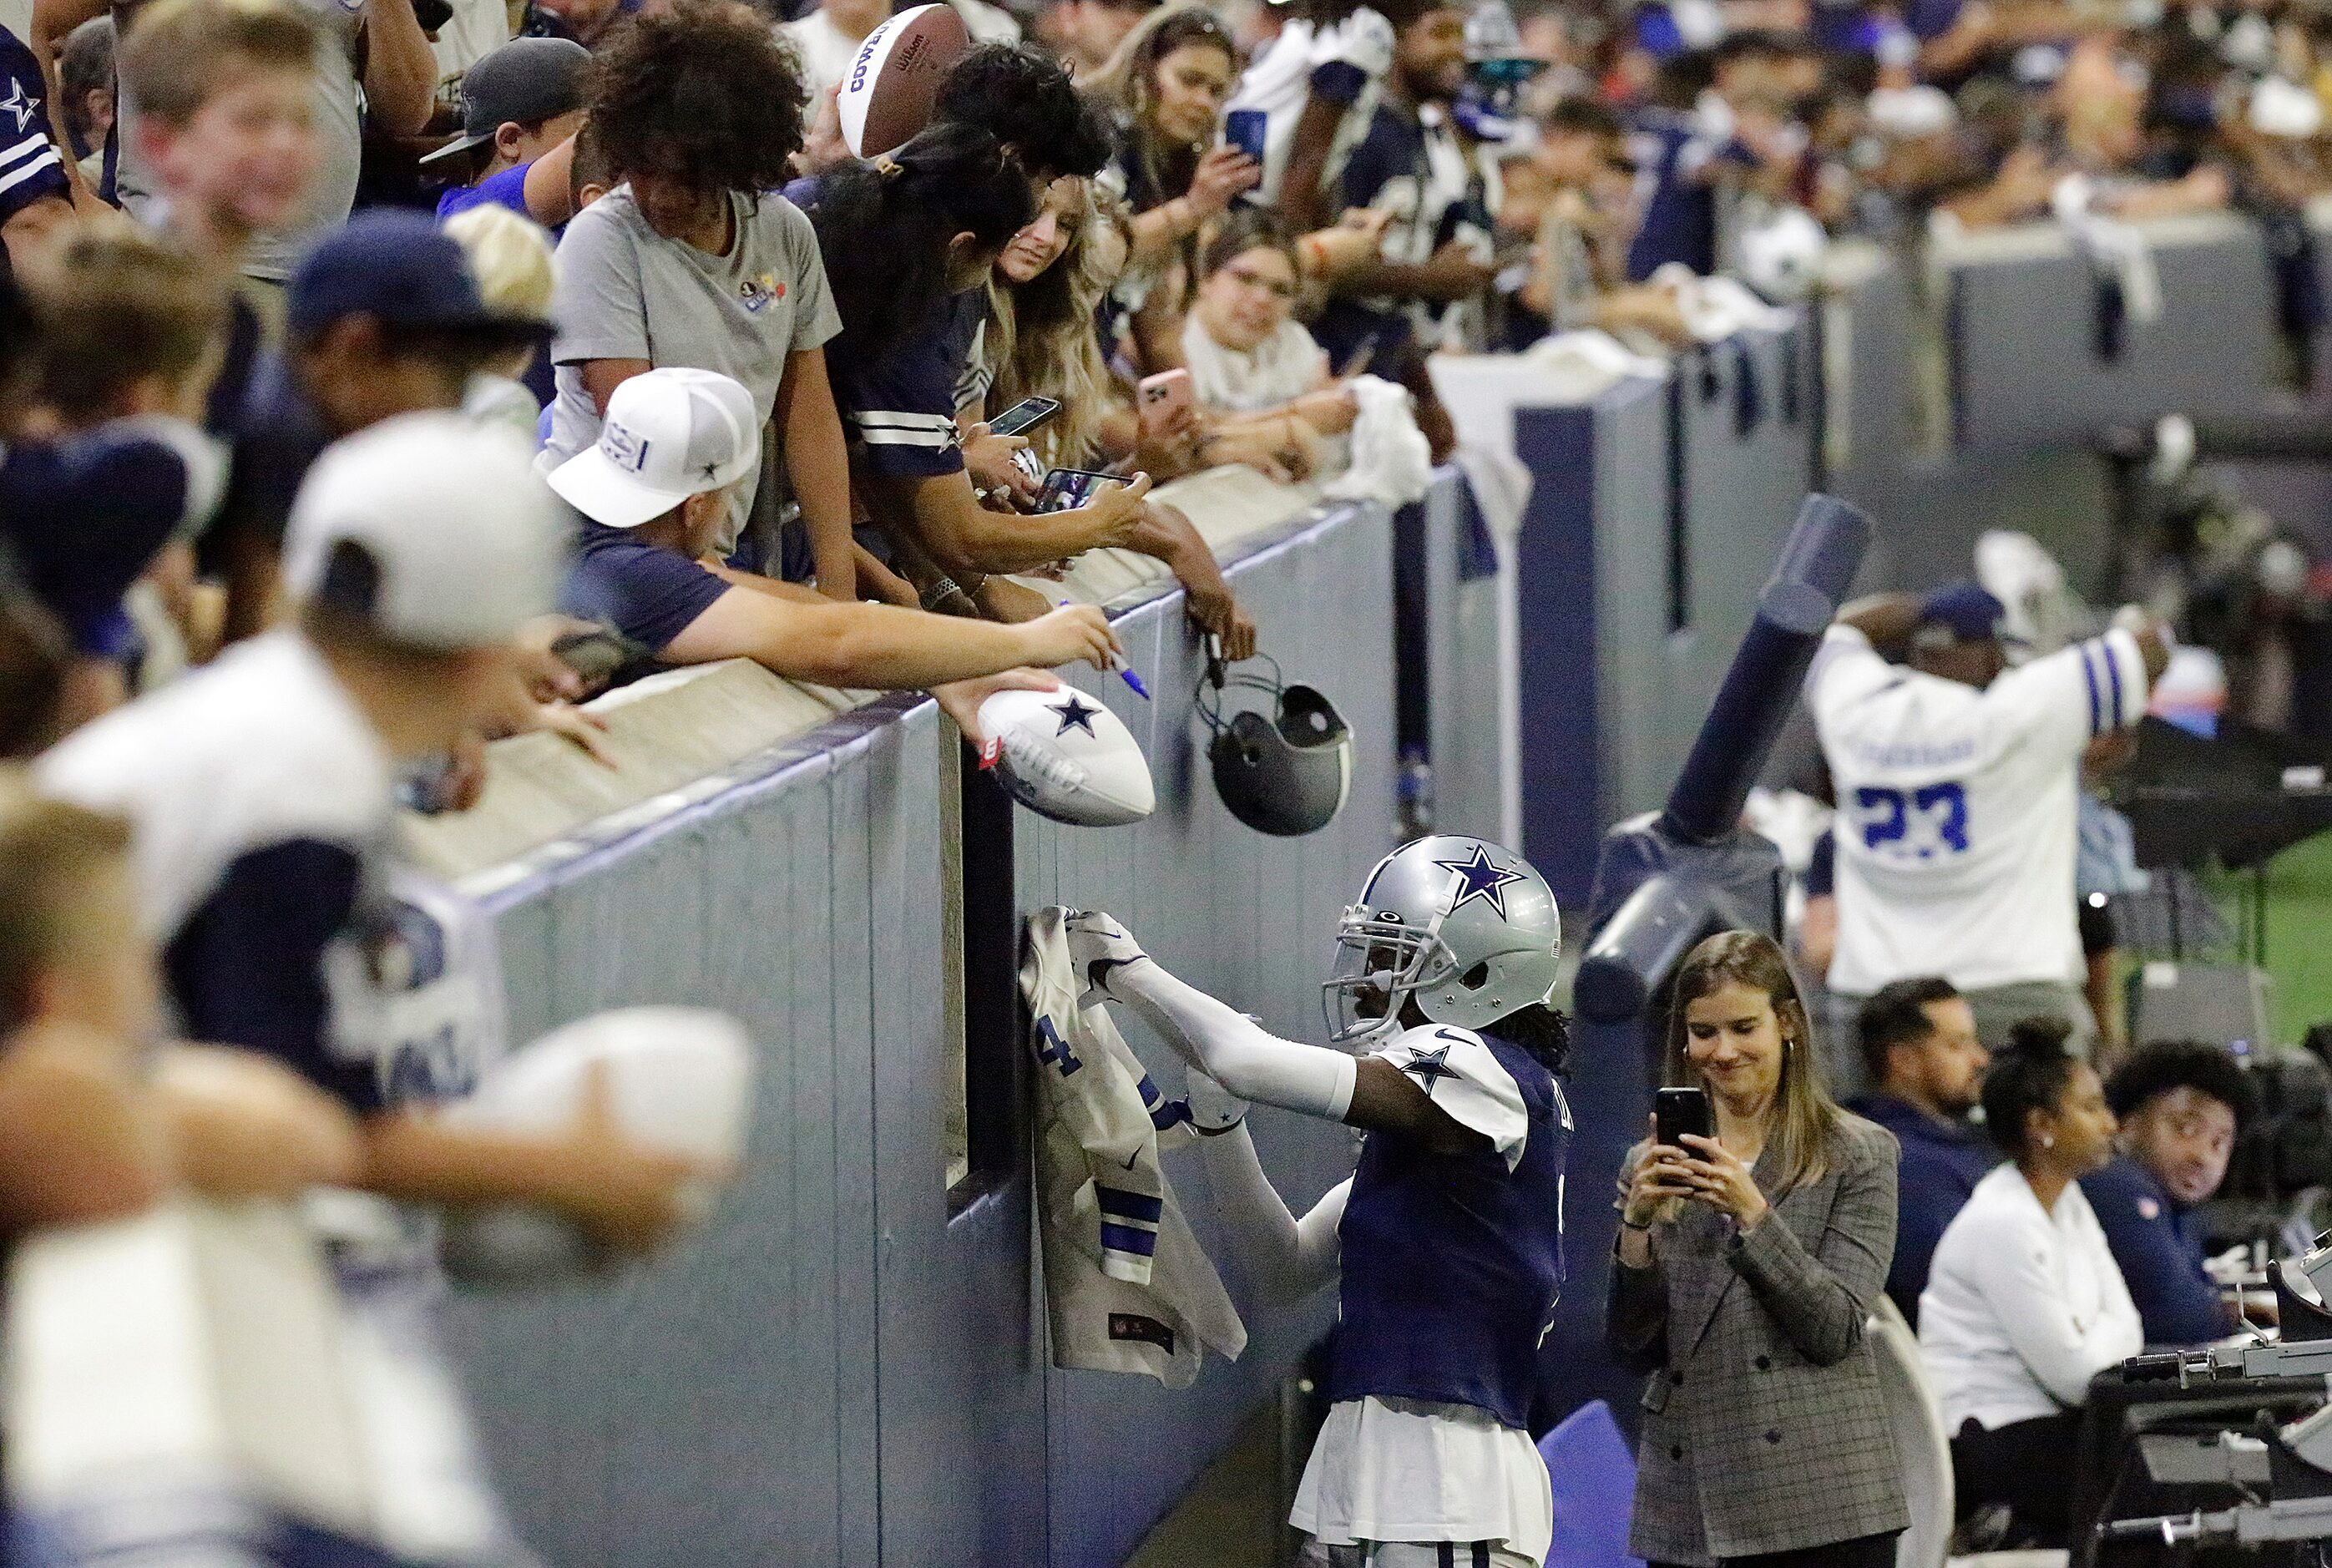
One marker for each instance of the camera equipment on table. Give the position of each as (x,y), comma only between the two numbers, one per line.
(2250,1419)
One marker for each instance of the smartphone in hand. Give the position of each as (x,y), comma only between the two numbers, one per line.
(1023,416)
(1243,129)
(1162,398)
(1678,1111)
(1068,487)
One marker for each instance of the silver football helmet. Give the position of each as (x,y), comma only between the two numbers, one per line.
(1466,927)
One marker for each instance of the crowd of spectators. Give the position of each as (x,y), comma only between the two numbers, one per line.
(378,379)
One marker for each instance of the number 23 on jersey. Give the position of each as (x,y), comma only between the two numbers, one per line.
(1920,824)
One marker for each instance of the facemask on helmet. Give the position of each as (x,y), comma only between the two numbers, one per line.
(1283,773)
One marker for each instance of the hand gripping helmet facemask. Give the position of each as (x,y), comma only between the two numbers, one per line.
(1466,928)
(1286,772)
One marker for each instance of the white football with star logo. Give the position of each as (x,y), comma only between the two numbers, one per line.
(1063,755)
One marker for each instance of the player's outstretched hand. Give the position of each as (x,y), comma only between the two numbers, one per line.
(1098,945)
(1213,1108)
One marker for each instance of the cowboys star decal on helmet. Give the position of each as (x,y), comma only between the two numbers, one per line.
(1480,878)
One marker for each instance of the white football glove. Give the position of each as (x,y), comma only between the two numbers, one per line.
(1097,945)
(1213,1108)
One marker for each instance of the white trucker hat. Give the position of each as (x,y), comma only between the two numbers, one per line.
(431,527)
(669,434)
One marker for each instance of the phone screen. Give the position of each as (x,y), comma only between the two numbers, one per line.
(1065,488)
(1023,416)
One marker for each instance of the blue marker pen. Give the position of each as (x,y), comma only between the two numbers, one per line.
(1124,673)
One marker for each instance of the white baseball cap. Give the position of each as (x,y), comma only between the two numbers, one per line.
(455,543)
(669,434)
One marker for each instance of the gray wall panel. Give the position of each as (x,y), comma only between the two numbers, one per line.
(1468,681)
(2027,373)
(639,1423)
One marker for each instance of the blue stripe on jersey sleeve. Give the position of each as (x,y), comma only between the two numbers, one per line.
(2113,675)
(1139,1206)
(1126,1240)
(2089,674)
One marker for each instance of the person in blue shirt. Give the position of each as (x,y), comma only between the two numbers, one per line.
(1919,1047)
(2181,1105)
(520,108)
(1728,138)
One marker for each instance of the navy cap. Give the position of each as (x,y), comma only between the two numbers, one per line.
(1965,609)
(400,268)
(526,80)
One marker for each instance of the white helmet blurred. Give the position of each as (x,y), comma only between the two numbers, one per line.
(1782,252)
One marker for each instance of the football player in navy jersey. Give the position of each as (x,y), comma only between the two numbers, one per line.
(1447,1239)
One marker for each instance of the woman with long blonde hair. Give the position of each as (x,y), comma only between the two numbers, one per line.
(1041,341)
(1746,1266)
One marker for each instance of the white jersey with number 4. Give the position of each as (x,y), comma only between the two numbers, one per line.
(1955,808)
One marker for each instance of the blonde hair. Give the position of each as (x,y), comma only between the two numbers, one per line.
(51,853)
(182,53)
(510,257)
(1802,1115)
(1041,339)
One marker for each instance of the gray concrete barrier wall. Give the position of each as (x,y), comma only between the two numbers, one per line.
(1464,627)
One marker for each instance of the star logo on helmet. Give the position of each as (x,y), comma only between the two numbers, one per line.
(1428,1069)
(1480,878)
(1076,714)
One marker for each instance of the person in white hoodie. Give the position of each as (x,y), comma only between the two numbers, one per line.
(2025,1304)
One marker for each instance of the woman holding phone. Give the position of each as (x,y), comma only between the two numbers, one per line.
(1747,1268)
(1037,343)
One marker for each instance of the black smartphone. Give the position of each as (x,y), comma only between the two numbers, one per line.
(1676,1112)
(1023,416)
(1072,487)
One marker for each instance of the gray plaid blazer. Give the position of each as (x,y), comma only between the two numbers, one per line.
(1763,1425)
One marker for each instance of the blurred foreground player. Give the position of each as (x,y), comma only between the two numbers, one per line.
(260,793)
(1447,1239)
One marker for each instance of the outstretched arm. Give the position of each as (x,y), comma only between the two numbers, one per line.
(1250,1062)
(1287,1258)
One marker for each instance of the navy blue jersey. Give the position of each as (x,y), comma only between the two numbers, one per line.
(898,407)
(1673,153)
(1452,1262)
(31,169)
(2160,1250)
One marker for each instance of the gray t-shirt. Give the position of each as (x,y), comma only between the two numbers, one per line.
(627,293)
(339,136)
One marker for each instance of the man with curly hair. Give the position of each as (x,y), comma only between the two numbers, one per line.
(695,260)
(2181,1106)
